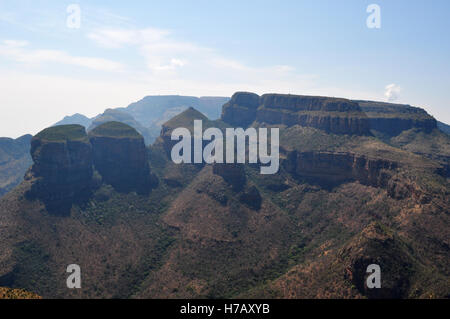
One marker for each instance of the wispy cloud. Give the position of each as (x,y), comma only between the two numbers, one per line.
(19,51)
(392,92)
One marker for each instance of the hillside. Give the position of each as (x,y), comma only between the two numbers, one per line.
(344,197)
(444,127)
(15,159)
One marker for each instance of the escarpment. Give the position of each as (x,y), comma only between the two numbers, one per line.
(329,169)
(333,115)
(62,157)
(120,156)
(392,119)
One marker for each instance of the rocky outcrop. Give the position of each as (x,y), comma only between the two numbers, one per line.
(183,120)
(329,169)
(392,119)
(121,158)
(62,157)
(401,188)
(233,174)
(118,115)
(251,197)
(333,115)
(378,245)
(241,109)
(394,126)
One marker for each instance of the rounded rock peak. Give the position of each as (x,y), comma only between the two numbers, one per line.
(62,133)
(248,99)
(115,129)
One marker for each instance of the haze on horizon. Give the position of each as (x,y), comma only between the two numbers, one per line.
(121,53)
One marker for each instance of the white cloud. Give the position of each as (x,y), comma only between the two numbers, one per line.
(117,38)
(18,51)
(392,92)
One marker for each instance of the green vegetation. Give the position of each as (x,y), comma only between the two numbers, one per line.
(115,129)
(193,237)
(63,133)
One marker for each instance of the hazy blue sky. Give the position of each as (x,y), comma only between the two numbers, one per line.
(124,50)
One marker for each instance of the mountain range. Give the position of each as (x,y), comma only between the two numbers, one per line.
(360,183)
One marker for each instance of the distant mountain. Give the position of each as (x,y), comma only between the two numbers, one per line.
(77,118)
(15,159)
(347,195)
(154,110)
(443,127)
(148,114)
(120,115)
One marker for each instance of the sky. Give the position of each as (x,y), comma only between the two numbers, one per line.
(58,58)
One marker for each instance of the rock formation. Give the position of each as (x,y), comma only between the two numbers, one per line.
(119,115)
(233,174)
(251,197)
(120,157)
(333,115)
(392,119)
(62,157)
(328,168)
(378,245)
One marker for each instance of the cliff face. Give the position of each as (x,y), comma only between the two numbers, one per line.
(241,109)
(62,159)
(329,168)
(333,115)
(120,157)
(392,119)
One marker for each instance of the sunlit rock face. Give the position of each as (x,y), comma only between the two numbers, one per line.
(333,115)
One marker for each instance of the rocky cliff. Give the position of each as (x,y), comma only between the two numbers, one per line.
(120,157)
(62,157)
(392,119)
(333,115)
(329,168)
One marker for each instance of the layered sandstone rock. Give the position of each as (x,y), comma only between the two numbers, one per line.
(333,115)
(62,157)
(330,168)
(120,157)
(392,119)
(241,109)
